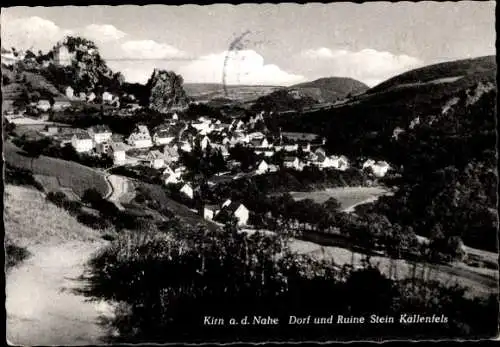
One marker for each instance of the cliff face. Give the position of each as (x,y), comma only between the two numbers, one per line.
(166,92)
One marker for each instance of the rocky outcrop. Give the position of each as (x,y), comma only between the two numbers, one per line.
(166,92)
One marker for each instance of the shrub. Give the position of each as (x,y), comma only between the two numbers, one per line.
(14,255)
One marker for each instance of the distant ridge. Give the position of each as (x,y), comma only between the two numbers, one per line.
(331,89)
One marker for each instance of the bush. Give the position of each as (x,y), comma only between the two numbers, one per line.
(224,273)
(14,255)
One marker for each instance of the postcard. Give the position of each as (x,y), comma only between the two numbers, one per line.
(319,172)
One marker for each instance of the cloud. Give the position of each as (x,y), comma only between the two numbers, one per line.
(368,65)
(239,67)
(31,32)
(102,33)
(149,49)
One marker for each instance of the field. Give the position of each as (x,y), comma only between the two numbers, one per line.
(347,196)
(69,174)
(479,282)
(30,220)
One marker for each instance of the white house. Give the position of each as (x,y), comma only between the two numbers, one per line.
(186,146)
(239,211)
(208,212)
(203,125)
(91,97)
(262,168)
(379,168)
(163,137)
(61,105)
(236,125)
(260,143)
(291,148)
(82,142)
(43,105)
(396,132)
(205,141)
(171,153)
(140,138)
(257,135)
(70,93)
(226,203)
(340,162)
(117,150)
(156,159)
(293,163)
(107,97)
(170,176)
(100,133)
(187,190)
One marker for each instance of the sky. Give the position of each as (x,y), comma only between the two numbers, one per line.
(267,44)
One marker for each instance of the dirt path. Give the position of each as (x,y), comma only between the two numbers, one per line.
(41,305)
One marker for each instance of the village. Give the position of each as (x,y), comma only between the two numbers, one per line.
(161,148)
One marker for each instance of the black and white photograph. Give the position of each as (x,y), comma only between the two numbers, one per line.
(260,173)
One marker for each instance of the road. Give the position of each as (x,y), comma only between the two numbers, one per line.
(43,307)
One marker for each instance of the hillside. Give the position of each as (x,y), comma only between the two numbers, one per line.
(15,84)
(373,116)
(283,100)
(331,89)
(444,147)
(441,73)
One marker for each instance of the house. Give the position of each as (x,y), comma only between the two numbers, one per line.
(291,148)
(100,133)
(52,129)
(320,151)
(237,210)
(140,138)
(340,162)
(260,143)
(203,126)
(293,163)
(43,105)
(306,148)
(185,146)
(171,153)
(262,168)
(170,176)
(175,117)
(257,135)
(156,159)
(396,132)
(204,142)
(163,137)
(223,149)
(107,97)
(82,142)
(91,97)
(378,168)
(117,150)
(70,93)
(61,105)
(103,147)
(208,212)
(187,190)
(226,203)
(236,125)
